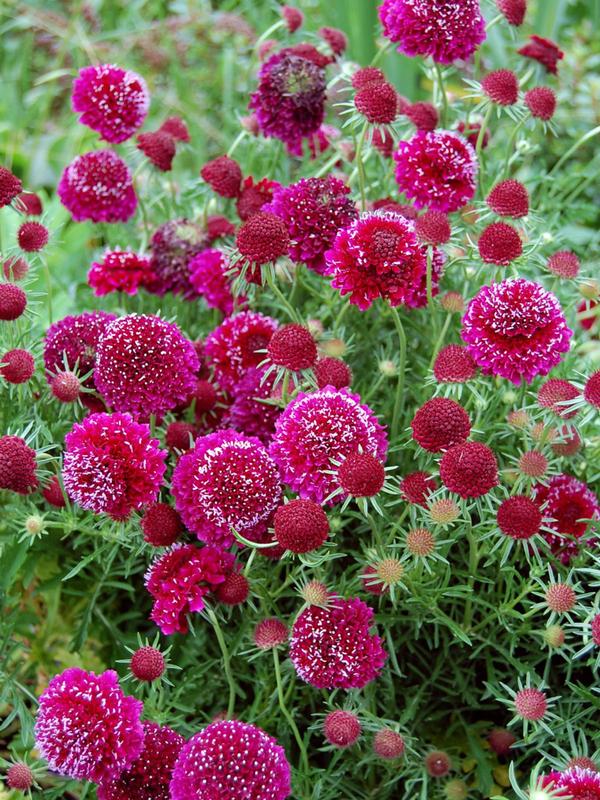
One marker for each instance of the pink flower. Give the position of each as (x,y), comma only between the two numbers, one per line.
(437,170)
(208,275)
(576,783)
(112,465)
(566,503)
(149,776)
(112,101)
(227,481)
(173,246)
(120,271)
(231,760)
(333,648)
(145,365)
(248,414)
(86,727)
(315,431)
(98,186)
(515,329)
(179,580)
(379,255)
(445,31)
(72,342)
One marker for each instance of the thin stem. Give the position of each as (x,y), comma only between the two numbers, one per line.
(480,140)
(586,137)
(473,562)
(362,181)
(280,296)
(509,146)
(438,344)
(241,135)
(286,712)
(443,94)
(226,661)
(401,370)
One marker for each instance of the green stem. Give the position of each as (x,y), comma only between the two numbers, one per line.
(443,94)
(509,146)
(362,180)
(286,712)
(480,140)
(226,661)
(241,135)
(280,296)
(401,370)
(586,137)
(438,344)
(473,562)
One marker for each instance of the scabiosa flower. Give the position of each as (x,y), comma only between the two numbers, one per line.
(270,633)
(13,302)
(377,102)
(149,776)
(218,227)
(333,648)
(147,664)
(73,341)
(577,783)
(446,32)
(112,465)
(145,365)
(566,503)
(120,271)
(341,728)
(224,176)
(317,429)
(98,186)
(444,511)
(437,169)
(501,86)
(65,386)
(159,149)
(560,598)
(32,236)
(379,255)
(19,776)
(262,239)
(500,244)
(10,186)
(15,268)
(86,727)
(161,525)
(388,744)
(290,100)
(173,246)
(254,196)
(519,517)
(176,128)
(541,102)
(420,542)
(313,210)
(29,203)
(515,329)
(301,526)
(248,414)
(469,469)
(236,345)
(234,590)
(361,475)
(544,51)
(509,199)
(227,481)
(292,347)
(531,704)
(208,275)
(17,366)
(17,465)
(330,371)
(335,38)
(513,10)
(563,264)
(433,227)
(424,116)
(437,763)
(293,18)
(591,391)
(231,760)
(453,364)
(416,487)
(440,423)
(365,76)
(501,740)
(53,494)
(554,392)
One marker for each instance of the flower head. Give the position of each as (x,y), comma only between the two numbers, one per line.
(227,481)
(254,196)
(98,186)
(231,760)
(161,525)
(120,271)
(531,704)
(554,392)
(270,633)
(424,116)
(341,728)
(333,648)
(437,169)
(515,329)
(576,783)
(567,503)
(10,187)
(513,10)
(509,199)
(330,371)
(361,475)
(519,517)
(388,744)
(544,51)
(110,100)
(501,86)
(224,176)
(591,391)
(72,343)
(208,276)
(159,149)
(433,227)
(19,776)
(541,102)
(453,364)
(417,486)
(17,465)
(292,347)
(147,664)
(500,244)
(13,302)
(440,423)
(301,526)
(469,469)
(377,102)
(86,727)
(262,239)
(174,244)
(176,128)
(32,236)
(112,465)
(563,264)
(17,366)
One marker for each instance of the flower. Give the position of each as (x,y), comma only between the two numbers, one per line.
(72,343)
(388,744)
(86,728)
(290,99)
(566,503)
(15,269)
(433,227)
(19,776)
(161,525)
(262,239)
(147,664)
(110,100)
(515,329)
(208,276)
(17,366)
(234,590)
(554,392)
(437,763)
(292,347)
(224,176)
(112,465)
(500,244)
(231,760)
(53,493)
(174,244)
(10,187)
(563,264)
(317,429)
(314,210)
(361,475)
(159,149)
(270,633)
(420,542)
(149,776)
(145,365)
(501,741)
(176,128)
(32,236)
(541,102)
(513,10)
(377,102)
(293,18)
(560,598)
(437,169)
(416,487)
(445,31)
(330,371)
(120,271)
(509,199)
(13,302)
(519,517)
(501,86)
(333,648)
(335,38)
(530,704)
(98,186)
(470,469)
(341,728)
(226,481)
(29,203)
(379,255)
(544,51)
(424,116)
(248,414)
(440,423)
(235,345)
(301,526)
(577,783)
(453,364)
(17,465)
(365,76)
(254,196)
(591,391)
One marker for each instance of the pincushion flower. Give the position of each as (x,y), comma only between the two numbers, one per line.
(149,776)
(227,481)
(577,783)
(231,760)
(208,275)
(318,429)
(120,271)
(445,31)
(110,100)
(72,343)
(333,647)
(515,329)
(437,169)
(314,210)
(145,365)
(289,102)
(10,186)
(86,728)
(248,414)
(174,244)
(180,579)
(544,51)
(567,504)
(98,186)
(17,465)
(379,255)
(112,465)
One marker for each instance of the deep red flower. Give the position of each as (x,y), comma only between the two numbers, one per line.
(519,517)
(469,469)
(158,147)
(161,525)
(20,777)
(500,244)
(564,264)
(509,199)
(147,664)
(301,526)
(29,203)
(254,196)
(176,128)
(270,633)
(541,102)
(17,366)
(361,475)
(32,236)
(554,392)
(262,239)
(417,486)
(567,503)
(501,741)
(330,371)
(453,364)
(17,465)
(293,17)
(13,302)
(65,386)
(293,347)
(377,102)
(234,590)
(53,493)
(365,76)
(10,186)
(120,271)
(513,10)
(591,391)
(433,227)
(388,744)
(501,86)
(223,175)
(341,728)
(544,51)
(335,38)
(173,245)
(438,763)
(439,424)
(424,116)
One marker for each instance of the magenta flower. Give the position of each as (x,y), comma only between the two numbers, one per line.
(72,342)
(248,414)
(567,504)
(208,275)
(120,271)
(173,245)
(98,186)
